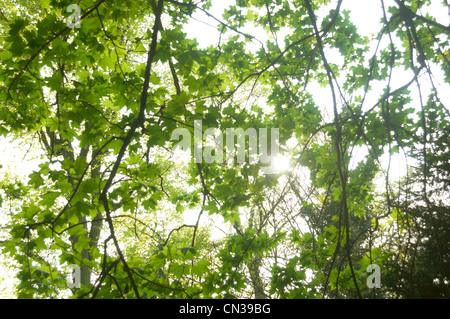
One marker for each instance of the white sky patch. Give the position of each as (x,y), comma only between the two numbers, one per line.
(281,163)
(16,164)
(366,15)
(17,157)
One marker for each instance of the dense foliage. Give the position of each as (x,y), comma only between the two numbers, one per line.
(100,101)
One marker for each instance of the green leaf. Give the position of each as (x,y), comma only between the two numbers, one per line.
(180,208)
(49,199)
(82,243)
(201,267)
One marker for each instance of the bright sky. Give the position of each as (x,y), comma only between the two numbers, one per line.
(365,15)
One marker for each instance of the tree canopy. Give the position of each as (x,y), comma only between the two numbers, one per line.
(93,90)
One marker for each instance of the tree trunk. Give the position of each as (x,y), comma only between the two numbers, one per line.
(257,283)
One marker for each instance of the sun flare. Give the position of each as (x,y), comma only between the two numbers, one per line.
(281,163)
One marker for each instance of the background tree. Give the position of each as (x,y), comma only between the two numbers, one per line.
(110,195)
